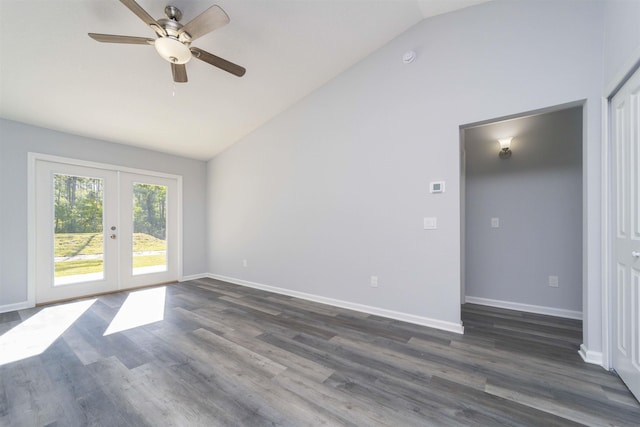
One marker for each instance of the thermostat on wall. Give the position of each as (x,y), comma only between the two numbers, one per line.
(437,187)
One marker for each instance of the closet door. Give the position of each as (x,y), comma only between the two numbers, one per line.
(625,109)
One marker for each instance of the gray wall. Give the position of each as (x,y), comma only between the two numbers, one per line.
(621,36)
(537,196)
(377,135)
(334,190)
(16,140)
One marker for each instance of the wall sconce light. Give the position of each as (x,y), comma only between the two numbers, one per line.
(505,151)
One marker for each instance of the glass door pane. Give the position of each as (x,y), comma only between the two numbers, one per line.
(78,229)
(150,244)
(149,253)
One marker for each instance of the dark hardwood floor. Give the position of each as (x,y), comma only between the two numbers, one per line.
(227,355)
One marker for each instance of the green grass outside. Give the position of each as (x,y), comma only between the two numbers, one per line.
(149,260)
(144,242)
(72,268)
(71,244)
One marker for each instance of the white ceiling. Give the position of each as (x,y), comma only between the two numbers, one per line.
(54,76)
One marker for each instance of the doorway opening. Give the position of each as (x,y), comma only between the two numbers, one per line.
(522,213)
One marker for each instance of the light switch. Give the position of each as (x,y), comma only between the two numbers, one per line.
(430,223)
(495,222)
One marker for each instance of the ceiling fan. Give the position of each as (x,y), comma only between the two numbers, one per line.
(174,39)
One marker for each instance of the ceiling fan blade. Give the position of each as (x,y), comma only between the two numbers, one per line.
(111,38)
(179,72)
(216,61)
(207,21)
(146,18)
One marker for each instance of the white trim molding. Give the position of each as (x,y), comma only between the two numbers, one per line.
(623,73)
(193,277)
(16,306)
(589,356)
(529,308)
(606,241)
(383,312)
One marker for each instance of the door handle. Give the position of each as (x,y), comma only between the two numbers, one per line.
(635,254)
(113,236)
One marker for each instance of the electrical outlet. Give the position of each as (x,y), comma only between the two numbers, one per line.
(374,281)
(244,263)
(553,281)
(495,222)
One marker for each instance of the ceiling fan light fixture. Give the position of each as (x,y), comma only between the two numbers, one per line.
(172,50)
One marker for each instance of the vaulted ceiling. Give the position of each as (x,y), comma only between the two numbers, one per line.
(54,76)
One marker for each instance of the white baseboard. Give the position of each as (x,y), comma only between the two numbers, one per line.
(538,309)
(17,306)
(590,356)
(405,317)
(193,277)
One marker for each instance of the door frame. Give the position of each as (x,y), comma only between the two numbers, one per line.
(32,158)
(607,178)
(582,103)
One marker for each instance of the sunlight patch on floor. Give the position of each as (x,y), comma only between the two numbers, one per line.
(33,336)
(139,309)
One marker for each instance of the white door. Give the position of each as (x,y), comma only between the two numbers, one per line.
(625,113)
(148,232)
(100,230)
(76,207)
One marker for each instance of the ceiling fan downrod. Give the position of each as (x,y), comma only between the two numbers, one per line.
(173,13)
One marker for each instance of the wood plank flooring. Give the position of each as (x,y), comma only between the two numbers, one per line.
(224,355)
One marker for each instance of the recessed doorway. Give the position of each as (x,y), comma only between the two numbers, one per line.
(523,212)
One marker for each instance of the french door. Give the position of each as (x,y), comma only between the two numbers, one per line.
(101,230)
(625,113)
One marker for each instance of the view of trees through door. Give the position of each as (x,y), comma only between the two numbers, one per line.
(149,228)
(78,225)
